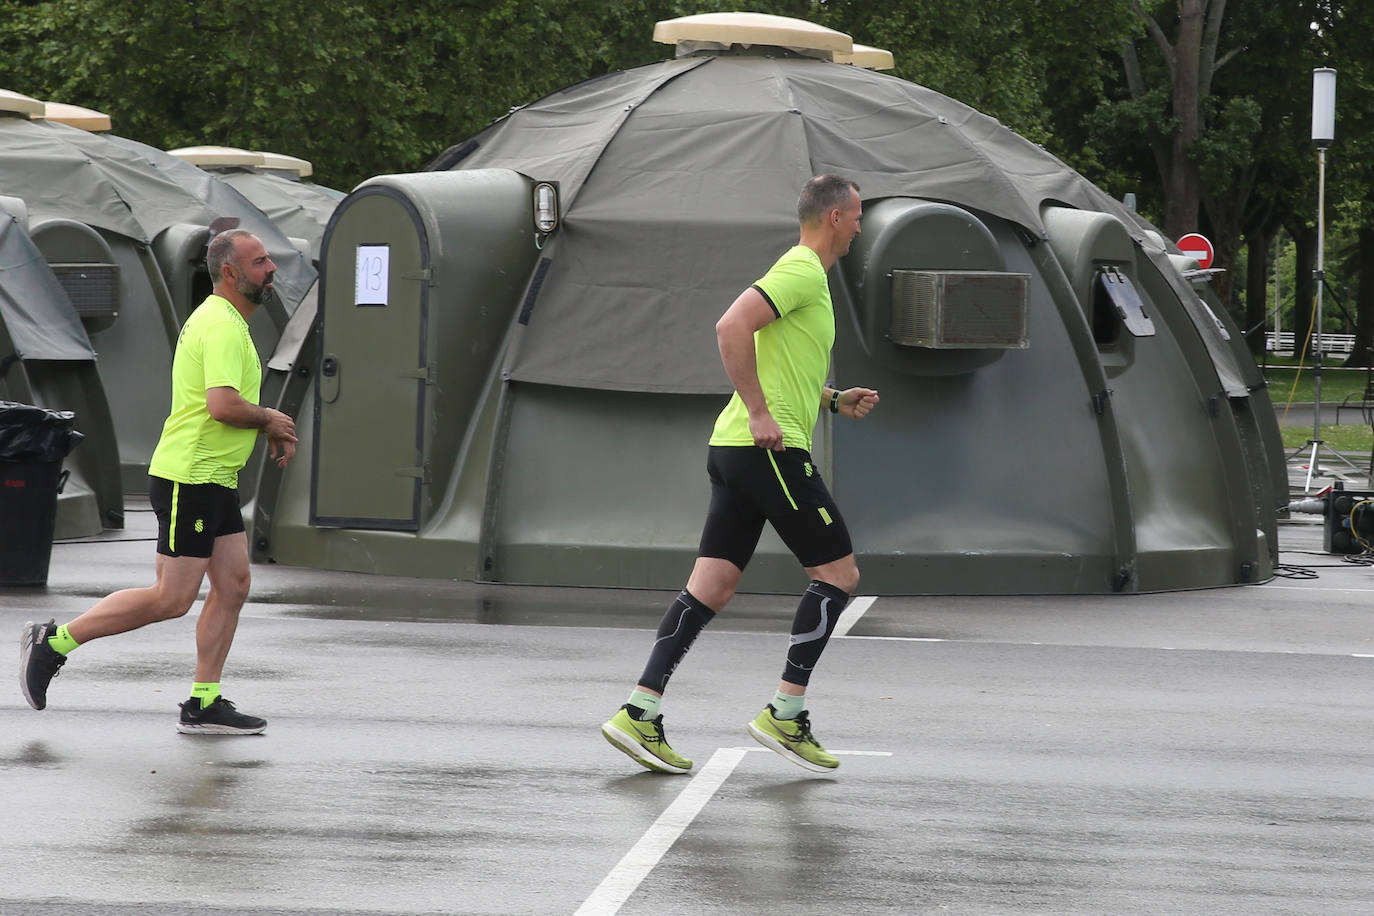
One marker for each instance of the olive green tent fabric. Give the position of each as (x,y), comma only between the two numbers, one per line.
(34,308)
(300,209)
(676,157)
(131,189)
(62,171)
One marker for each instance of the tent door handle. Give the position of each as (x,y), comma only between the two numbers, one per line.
(329,378)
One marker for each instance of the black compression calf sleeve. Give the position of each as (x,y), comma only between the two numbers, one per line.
(815,620)
(685,618)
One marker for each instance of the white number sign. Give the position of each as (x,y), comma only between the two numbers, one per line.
(374,270)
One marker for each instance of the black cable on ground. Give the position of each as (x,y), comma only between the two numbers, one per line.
(1294,572)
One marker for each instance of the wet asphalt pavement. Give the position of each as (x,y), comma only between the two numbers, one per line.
(433,747)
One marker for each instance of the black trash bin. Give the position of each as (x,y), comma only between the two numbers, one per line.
(33,442)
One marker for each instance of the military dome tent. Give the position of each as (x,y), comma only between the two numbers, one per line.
(273,183)
(517,385)
(46,360)
(136,220)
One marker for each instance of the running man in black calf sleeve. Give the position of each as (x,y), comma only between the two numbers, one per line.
(775,342)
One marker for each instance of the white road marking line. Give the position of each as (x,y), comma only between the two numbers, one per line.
(1269,586)
(852,614)
(610,895)
(1076,645)
(906,638)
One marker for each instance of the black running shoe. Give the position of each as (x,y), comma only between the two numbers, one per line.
(39,662)
(219,718)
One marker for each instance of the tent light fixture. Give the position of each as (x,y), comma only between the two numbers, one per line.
(545,207)
(1323,106)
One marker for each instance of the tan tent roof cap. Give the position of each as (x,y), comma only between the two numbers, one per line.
(284,163)
(725,29)
(866,57)
(211,157)
(75,116)
(16,104)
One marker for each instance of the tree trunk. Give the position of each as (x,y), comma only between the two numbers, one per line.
(1226,255)
(1363,353)
(1257,290)
(1183,183)
(1304,290)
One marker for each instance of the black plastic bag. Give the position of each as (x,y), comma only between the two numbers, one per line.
(29,434)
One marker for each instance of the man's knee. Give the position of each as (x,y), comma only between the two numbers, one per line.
(842,573)
(713,582)
(849,581)
(232,587)
(170,604)
(230,571)
(178,585)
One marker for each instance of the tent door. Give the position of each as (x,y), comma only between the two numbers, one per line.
(369,450)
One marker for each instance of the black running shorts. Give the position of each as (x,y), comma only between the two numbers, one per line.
(191,515)
(751,485)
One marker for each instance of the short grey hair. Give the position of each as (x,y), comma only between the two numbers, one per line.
(823,194)
(221,250)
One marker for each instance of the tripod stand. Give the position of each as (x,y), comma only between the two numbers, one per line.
(1319,275)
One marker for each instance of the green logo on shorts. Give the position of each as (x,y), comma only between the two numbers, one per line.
(200,526)
(809,469)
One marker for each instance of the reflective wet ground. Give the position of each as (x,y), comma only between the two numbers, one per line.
(433,748)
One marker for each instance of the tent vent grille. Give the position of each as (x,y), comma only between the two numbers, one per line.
(960,309)
(93,288)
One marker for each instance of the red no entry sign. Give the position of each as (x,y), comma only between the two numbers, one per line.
(1198,248)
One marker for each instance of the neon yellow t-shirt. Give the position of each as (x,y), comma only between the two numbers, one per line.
(213,351)
(793,352)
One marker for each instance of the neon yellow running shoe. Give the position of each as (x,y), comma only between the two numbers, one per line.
(645,742)
(792,739)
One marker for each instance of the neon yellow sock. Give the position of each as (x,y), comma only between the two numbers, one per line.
(206,693)
(61,641)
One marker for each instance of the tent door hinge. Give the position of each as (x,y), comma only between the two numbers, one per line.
(420,473)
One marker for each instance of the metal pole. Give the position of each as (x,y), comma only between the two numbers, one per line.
(1319,276)
(1278,290)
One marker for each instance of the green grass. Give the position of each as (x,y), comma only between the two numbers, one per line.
(1359,439)
(1336,384)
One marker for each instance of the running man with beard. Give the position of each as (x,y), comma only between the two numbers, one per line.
(775,342)
(193,489)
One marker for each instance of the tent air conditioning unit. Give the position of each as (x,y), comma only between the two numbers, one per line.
(960,309)
(93,289)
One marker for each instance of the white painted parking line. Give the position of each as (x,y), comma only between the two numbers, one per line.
(909,638)
(1081,645)
(1269,586)
(851,615)
(617,886)
(610,895)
